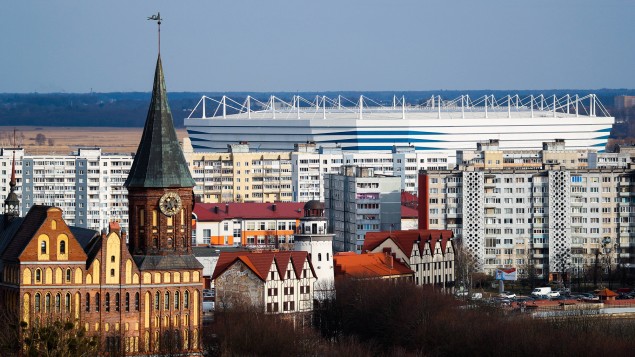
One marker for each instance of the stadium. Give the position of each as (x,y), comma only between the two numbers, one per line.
(434,124)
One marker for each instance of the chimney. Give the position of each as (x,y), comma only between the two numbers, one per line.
(273,207)
(424,201)
(216,209)
(226,207)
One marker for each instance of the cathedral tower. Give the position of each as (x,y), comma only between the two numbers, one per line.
(160,191)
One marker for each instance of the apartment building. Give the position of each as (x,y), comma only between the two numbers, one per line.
(555,219)
(87,185)
(358,201)
(311,163)
(240,175)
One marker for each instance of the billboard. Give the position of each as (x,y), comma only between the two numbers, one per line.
(506,274)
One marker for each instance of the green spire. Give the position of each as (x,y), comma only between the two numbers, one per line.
(159,161)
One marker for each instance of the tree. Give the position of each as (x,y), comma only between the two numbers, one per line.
(57,338)
(40,139)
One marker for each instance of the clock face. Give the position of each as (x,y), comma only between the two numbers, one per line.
(170,203)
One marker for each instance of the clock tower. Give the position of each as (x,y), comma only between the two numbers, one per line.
(160,191)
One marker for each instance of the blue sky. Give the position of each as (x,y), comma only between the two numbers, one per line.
(326,45)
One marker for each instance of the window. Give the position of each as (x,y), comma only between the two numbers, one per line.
(127,301)
(97,302)
(62,247)
(117,302)
(107,302)
(47,303)
(156,301)
(177,298)
(186,299)
(43,247)
(112,258)
(37,302)
(87,302)
(68,275)
(136,301)
(58,302)
(166,301)
(67,303)
(319,257)
(38,275)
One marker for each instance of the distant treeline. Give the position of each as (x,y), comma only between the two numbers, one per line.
(129,109)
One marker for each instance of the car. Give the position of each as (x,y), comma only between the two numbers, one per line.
(553,294)
(507,295)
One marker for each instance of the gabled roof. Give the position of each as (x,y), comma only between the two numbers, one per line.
(368,265)
(207,212)
(260,262)
(25,232)
(405,240)
(159,161)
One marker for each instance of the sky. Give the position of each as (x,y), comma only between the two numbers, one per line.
(327,45)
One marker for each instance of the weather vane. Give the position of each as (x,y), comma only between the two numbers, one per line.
(158,19)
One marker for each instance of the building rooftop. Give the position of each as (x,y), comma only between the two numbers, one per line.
(216,212)
(369,265)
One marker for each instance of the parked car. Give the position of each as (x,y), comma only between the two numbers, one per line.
(541,291)
(507,295)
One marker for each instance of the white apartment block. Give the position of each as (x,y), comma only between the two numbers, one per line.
(310,164)
(358,201)
(87,185)
(557,218)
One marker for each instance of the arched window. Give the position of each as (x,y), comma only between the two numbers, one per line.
(97,301)
(68,275)
(127,301)
(166,301)
(87,302)
(67,302)
(43,247)
(62,247)
(136,301)
(112,272)
(38,275)
(177,297)
(58,302)
(107,302)
(156,300)
(117,302)
(186,299)
(37,302)
(319,257)
(47,303)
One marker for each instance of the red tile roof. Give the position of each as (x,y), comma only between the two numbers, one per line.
(260,262)
(408,199)
(408,212)
(368,265)
(206,212)
(406,239)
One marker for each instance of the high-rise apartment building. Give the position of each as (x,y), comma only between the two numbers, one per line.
(552,218)
(87,185)
(358,201)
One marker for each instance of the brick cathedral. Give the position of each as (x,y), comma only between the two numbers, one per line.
(140,292)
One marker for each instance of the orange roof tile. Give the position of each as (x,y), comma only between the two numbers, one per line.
(368,265)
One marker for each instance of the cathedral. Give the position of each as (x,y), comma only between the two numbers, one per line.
(138,291)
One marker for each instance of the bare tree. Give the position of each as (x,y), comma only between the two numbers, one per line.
(40,139)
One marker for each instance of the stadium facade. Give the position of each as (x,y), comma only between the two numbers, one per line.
(435,124)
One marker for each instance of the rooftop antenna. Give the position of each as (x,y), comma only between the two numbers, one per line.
(158,19)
